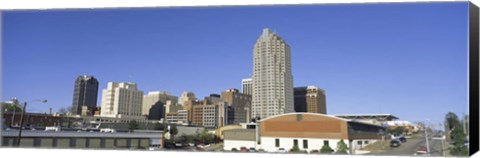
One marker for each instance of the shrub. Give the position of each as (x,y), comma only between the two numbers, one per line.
(295,148)
(326,149)
(342,147)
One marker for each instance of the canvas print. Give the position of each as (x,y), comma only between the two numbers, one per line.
(350,79)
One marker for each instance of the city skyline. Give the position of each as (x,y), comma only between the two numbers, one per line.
(352,80)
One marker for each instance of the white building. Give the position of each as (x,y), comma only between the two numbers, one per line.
(122,100)
(210,115)
(247,86)
(180,117)
(272,82)
(309,131)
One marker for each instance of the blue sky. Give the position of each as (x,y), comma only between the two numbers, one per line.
(407,59)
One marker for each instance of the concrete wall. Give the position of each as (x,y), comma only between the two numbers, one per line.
(229,144)
(188,130)
(80,143)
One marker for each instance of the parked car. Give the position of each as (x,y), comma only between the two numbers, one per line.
(420,154)
(315,151)
(234,149)
(421,151)
(282,150)
(243,149)
(402,139)
(395,143)
(252,149)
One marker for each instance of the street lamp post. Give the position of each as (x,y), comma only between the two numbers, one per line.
(22,119)
(426,139)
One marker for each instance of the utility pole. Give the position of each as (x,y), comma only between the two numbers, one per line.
(426,140)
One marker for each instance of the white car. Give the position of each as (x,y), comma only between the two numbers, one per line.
(420,154)
(282,150)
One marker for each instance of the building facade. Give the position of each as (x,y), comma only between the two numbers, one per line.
(179,117)
(272,82)
(241,104)
(186,96)
(153,104)
(83,140)
(122,100)
(247,86)
(205,115)
(85,94)
(213,115)
(310,99)
(309,131)
(188,100)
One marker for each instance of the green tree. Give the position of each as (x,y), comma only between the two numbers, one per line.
(459,149)
(173,130)
(452,120)
(326,149)
(132,125)
(396,130)
(295,148)
(207,137)
(10,108)
(342,147)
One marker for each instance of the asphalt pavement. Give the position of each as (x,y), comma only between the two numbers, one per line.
(410,147)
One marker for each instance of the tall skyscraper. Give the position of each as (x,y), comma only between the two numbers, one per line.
(272,82)
(247,86)
(122,100)
(310,99)
(85,95)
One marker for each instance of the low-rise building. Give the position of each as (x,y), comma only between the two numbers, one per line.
(32,119)
(83,140)
(179,117)
(378,119)
(309,131)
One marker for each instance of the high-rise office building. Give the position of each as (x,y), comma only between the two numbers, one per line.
(247,86)
(213,115)
(272,81)
(310,99)
(85,95)
(188,100)
(240,103)
(187,96)
(153,104)
(122,100)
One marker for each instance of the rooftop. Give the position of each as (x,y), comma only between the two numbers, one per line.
(27,133)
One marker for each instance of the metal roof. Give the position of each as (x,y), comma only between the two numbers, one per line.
(366,115)
(83,134)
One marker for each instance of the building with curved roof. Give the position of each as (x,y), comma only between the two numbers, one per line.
(309,131)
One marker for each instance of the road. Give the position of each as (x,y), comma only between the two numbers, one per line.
(410,147)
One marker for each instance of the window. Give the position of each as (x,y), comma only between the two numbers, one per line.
(295,142)
(305,144)
(366,142)
(277,142)
(325,142)
(359,142)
